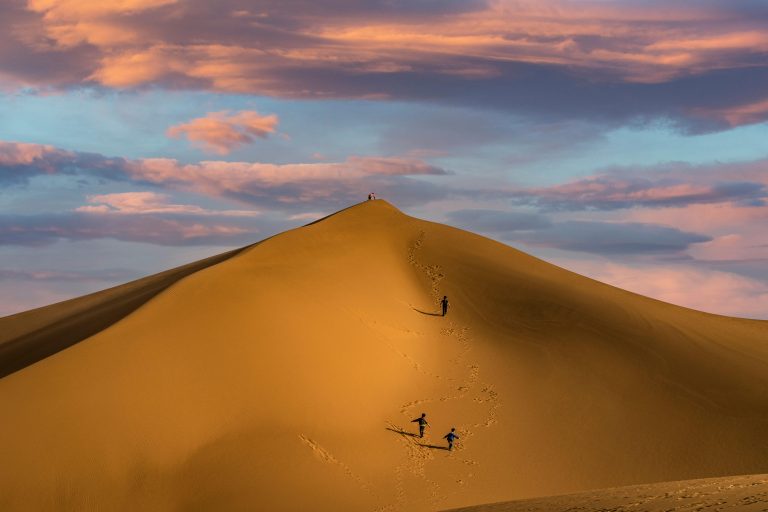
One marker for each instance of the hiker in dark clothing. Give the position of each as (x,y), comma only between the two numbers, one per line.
(444,304)
(369,197)
(422,423)
(450,436)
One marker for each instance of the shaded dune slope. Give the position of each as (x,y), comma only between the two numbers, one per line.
(286,376)
(28,337)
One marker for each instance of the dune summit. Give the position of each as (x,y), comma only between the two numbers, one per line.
(284,377)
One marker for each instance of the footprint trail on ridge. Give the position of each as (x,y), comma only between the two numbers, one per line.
(420,453)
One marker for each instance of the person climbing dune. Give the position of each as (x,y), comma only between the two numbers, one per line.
(422,421)
(444,304)
(451,436)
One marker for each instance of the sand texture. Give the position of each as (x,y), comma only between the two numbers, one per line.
(284,378)
(737,493)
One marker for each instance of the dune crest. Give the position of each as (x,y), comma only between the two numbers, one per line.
(286,376)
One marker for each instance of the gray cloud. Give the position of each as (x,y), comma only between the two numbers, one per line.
(175,230)
(653,187)
(610,238)
(496,221)
(67,276)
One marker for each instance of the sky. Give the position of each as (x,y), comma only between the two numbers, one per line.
(625,140)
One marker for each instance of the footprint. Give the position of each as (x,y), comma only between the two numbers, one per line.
(326,457)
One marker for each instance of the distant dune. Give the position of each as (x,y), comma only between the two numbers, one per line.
(283,377)
(742,493)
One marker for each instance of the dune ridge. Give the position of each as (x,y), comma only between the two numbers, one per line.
(286,377)
(30,336)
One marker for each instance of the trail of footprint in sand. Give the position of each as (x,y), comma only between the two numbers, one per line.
(327,457)
(417,455)
(385,342)
(490,396)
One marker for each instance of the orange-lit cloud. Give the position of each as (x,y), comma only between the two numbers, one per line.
(222,132)
(100,23)
(541,53)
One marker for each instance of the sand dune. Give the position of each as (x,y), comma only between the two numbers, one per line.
(742,493)
(28,337)
(285,377)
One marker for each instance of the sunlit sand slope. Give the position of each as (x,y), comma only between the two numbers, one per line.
(283,378)
(738,493)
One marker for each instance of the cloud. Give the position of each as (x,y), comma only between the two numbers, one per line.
(734,115)
(700,217)
(222,132)
(320,185)
(699,64)
(21,162)
(702,289)
(606,238)
(73,22)
(496,221)
(70,276)
(611,238)
(143,203)
(45,229)
(662,186)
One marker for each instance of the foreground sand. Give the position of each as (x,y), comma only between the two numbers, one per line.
(281,378)
(742,493)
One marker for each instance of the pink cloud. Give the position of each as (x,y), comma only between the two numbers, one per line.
(324,183)
(222,132)
(215,176)
(142,203)
(738,232)
(753,112)
(705,290)
(614,191)
(20,153)
(669,185)
(705,217)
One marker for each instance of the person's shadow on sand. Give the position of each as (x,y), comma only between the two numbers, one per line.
(425,312)
(398,430)
(433,446)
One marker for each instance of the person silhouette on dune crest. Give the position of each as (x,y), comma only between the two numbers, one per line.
(451,436)
(422,421)
(444,304)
